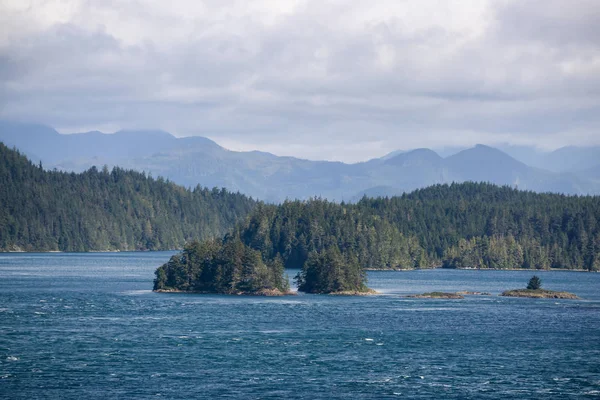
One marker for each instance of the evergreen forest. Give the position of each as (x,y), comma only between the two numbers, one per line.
(106,210)
(467,225)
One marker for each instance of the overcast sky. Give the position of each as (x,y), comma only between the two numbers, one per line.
(338,80)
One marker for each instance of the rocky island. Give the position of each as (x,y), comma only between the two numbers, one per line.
(534,290)
(539,293)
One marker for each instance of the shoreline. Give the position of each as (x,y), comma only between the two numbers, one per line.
(20,251)
(271,293)
(263,292)
(480,269)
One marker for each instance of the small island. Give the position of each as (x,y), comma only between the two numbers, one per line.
(331,272)
(534,290)
(437,295)
(229,266)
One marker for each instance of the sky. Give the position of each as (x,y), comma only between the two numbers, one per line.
(335,80)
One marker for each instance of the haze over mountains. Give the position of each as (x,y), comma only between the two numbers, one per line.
(196,160)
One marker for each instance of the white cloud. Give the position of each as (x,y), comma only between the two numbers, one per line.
(357,77)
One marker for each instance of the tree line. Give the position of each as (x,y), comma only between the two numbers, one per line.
(467,225)
(106,210)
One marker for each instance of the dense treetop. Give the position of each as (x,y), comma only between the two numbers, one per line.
(469,225)
(106,210)
(475,225)
(227,267)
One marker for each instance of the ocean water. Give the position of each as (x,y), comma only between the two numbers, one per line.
(87,326)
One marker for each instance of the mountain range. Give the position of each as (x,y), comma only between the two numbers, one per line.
(190,161)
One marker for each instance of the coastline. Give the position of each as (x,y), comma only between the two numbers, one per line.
(21,251)
(262,292)
(270,293)
(480,269)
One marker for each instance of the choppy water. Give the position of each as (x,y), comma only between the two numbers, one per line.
(88,326)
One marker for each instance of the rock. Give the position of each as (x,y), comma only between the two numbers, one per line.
(354,293)
(468,293)
(539,294)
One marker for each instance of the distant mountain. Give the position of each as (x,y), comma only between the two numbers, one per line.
(565,159)
(592,173)
(392,154)
(572,158)
(494,166)
(196,160)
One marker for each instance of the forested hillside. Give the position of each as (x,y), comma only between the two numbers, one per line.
(468,225)
(106,210)
(474,225)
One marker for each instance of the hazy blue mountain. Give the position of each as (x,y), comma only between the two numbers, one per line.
(392,154)
(592,173)
(526,154)
(377,191)
(487,164)
(196,160)
(483,163)
(565,159)
(572,158)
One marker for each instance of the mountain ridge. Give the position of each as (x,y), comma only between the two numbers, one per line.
(194,160)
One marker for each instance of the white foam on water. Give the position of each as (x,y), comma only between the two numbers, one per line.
(270,331)
(12,358)
(369,340)
(136,292)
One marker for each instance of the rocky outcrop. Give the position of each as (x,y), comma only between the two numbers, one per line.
(539,294)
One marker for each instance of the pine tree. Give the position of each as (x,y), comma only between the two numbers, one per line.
(534,283)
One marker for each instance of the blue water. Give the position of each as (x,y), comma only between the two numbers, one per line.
(87,326)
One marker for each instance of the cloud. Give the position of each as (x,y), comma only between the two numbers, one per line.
(317,79)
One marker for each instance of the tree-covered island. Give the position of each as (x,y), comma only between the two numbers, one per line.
(231,267)
(226,267)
